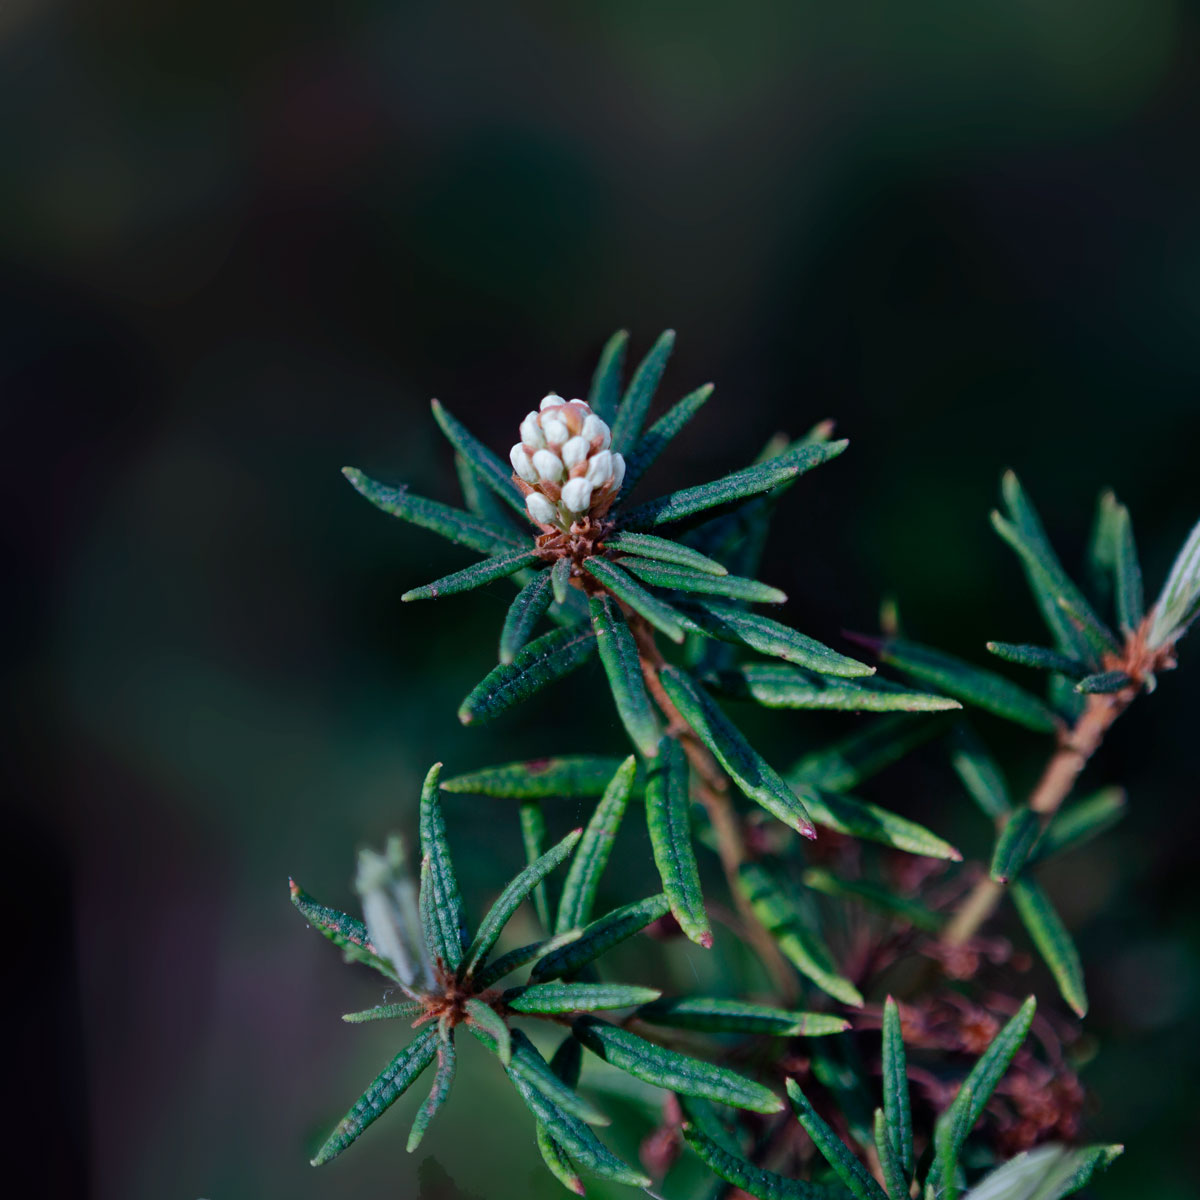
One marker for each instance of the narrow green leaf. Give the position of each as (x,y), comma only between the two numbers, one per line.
(622,585)
(979,772)
(511,898)
(1054,943)
(598,938)
(491,471)
(711,1014)
(712,1120)
(533,838)
(635,404)
(1047,1173)
(874,896)
(540,778)
(583,879)
(560,580)
(647,545)
(1102,548)
(557,1162)
(668,819)
(968,683)
(1080,822)
(896,1101)
(760,633)
(524,613)
(848,1169)
(753,1180)
(529,1065)
(507,963)
(740,485)
(442,1082)
(606,382)
(395,1079)
(1104,684)
(855,759)
(463,528)
(482,501)
(1178,603)
(344,931)
(684,579)
(1131,606)
(535,666)
(576,997)
(949,1136)
(759,781)
(1017,838)
(1040,658)
(623,666)
(801,946)
(893,1174)
(441,904)
(474,576)
(656,439)
(780,685)
(485,1020)
(1093,631)
(670,1069)
(857,818)
(383,1012)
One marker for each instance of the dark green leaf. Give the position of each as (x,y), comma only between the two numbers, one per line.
(1039,657)
(857,818)
(755,1181)
(1102,549)
(656,439)
(557,1162)
(683,579)
(383,1012)
(482,501)
(655,610)
(442,1082)
(599,937)
(848,1169)
(647,545)
(1053,941)
(668,819)
(801,946)
(1131,607)
(896,1102)
(474,576)
(744,765)
(1047,1173)
(506,963)
(1093,631)
(779,685)
(1017,838)
(1079,823)
(441,905)
(949,1136)
(540,778)
(893,1175)
(1103,684)
(874,896)
(466,529)
(490,1027)
(529,1065)
(577,997)
(623,666)
(341,929)
(579,890)
(560,580)
(606,382)
(533,838)
(979,772)
(855,759)
(535,666)
(395,1079)
(670,1069)
(491,471)
(524,613)
(635,404)
(709,1014)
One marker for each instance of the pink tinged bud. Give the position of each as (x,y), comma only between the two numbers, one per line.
(549,401)
(595,429)
(548,466)
(556,431)
(522,464)
(540,509)
(600,467)
(618,474)
(575,451)
(577,495)
(531,431)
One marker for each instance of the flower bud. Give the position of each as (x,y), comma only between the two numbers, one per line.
(548,466)
(556,431)
(522,464)
(550,401)
(541,510)
(577,495)
(575,452)
(531,432)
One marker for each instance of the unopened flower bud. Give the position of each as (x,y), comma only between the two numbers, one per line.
(531,432)
(595,429)
(549,401)
(548,466)
(522,464)
(577,495)
(575,452)
(556,431)
(540,509)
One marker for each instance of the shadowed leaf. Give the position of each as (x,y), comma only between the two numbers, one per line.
(847,1168)
(1079,823)
(541,778)
(474,576)
(622,665)
(526,610)
(979,772)
(1103,684)
(857,818)
(1013,846)
(622,585)
(684,579)
(647,545)
(855,759)
(606,381)
(896,1102)
(753,1180)
(491,471)
(635,404)
(1040,658)
(656,439)
(872,895)
(710,1014)
(599,937)
(1054,943)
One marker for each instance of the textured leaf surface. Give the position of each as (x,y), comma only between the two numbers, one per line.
(1054,943)
(656,439)
(560,580)
(622,585)
(670,1069)
(857,818)
(893,1175)
(659,549)
(848,1169)
(577,997)
(1104,683)
(507,963)
(383,1012)
(464,528)
(684,579)
(896,1103)
(605,390)
(776,685)
(711,1014)
(442,1082)
(1040,658)
(557,1162)
(622,665)
(1016,840)
(635,404)
(528,1063)
(533,838)
(540,778)
(745,766)
(489,1026)
(599,937)
(1047,1173)
(441,904)
(1131,607)
(526,610)
(395,1079)
(474,576)
(668,819)
(341,929)
(535,666)
(491,471)
(755,1181)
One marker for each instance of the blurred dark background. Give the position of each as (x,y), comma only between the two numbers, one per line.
(244,244)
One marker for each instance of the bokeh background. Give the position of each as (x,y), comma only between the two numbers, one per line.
(243,244)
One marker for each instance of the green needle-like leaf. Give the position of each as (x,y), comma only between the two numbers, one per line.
(1104,684)
(1178,603)
(754,1181)
(577,997)
(670,1069)
(529,1065)
(872,895)
(1040,658)
(979,772)
(463,528)
(622,585)
(848,1169)
(599,937)
(1094,632)
(491,471)
(668,819)
(684,579)
(482,501)
(759,781)
(635,404)
(1047,1173)
(1013,846)
(533,838)
(512,897)
(524,613)
(540,778)
(560,580)
(442,1082)
(583,879)
(383,1012)
(507,963)
(1054,943)
(896,1102)
(395,1079)
(893,1175)
(780,685)
(557,1162)
(857,818)
(1131,606)
(489,1026)
(606,382)
(647,545)
(537,665)
(342,930)
(710,1014)
(968,683)
(855,759)
(801,946)
(622,665)
(1079,823)
(949,1136)
(474,576)
(441,905)
(656,439)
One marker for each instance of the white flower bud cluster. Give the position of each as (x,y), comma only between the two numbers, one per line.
(565,463)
